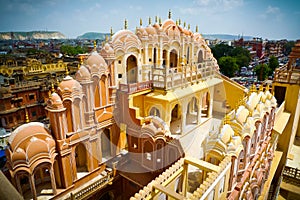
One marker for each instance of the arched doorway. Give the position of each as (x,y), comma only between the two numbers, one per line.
(80,158)
(106,144)
(173,58)
(175,124)
(200,56)
(131,69)
(192,112)
(205,105)
(23,179)
(42,180)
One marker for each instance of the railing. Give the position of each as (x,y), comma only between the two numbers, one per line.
(20,85)
(291,175)
(135,87)
(284,75)
(87,191)
(170,78)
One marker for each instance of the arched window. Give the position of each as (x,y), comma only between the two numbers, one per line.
(131,69)
(68,105)
(103,91)
(200,56)
(154,112)
(80,158)
(96,91)
(77,114)
(106,144)
(192,112)
(173,58)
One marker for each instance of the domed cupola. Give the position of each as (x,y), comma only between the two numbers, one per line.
(54,102)
(107,52)
(69,87)
(83,74)
(95,60)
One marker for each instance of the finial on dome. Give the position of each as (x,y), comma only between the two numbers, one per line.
(160,21)
(26,116)
(49,94)
(189,26)
(261,88)
(197,29)
(141,22)
(226,119)
(252,89)
(95,45)
(179,21)
(156,19)
(170,14)
(81,60)
(267,87)
(111,32)
(67,71)
(150,21)
(125,24)
(250,113)
(184,24)
(52,88)
(106,38)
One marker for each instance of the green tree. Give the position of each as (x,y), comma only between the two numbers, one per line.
(228,65)
(262,71)
(221,50)
(72,51)
(273,64)
(242,56)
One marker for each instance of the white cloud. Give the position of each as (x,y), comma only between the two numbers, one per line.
(272,10)
(212,6)
(272,13)
(135,7)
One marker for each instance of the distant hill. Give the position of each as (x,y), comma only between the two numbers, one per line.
(101,36)
(225,37)
(93,36)
(31,35)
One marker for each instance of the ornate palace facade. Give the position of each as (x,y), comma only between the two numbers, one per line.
(134,121)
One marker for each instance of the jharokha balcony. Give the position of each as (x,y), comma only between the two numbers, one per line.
(167,78)
(170,78)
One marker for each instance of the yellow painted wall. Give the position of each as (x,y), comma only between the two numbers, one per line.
(286,139)
(138,101)
(234,92)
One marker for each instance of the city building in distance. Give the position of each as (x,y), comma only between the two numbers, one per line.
(150,116)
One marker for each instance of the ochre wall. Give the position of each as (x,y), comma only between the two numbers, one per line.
(233,93)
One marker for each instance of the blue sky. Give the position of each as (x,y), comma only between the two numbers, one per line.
(269,19)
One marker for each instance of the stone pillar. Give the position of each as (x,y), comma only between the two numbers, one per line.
(52,177)
(185,179)
(32,186)
(183,118)
(199,115)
